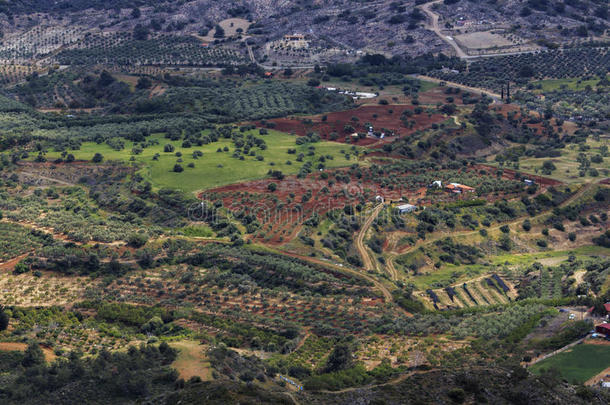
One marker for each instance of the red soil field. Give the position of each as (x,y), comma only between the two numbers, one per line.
(282,215)
(383,119)
(510,174)
(438,95)
(286,217)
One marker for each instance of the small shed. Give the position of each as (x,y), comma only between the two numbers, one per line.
(406,208)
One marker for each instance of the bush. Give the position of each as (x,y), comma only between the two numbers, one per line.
(137,240)
(457,395)
(178,168)
(4,319)
(97,158)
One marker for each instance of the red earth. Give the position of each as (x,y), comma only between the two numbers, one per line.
(510,174)
(283,211)
(383,118)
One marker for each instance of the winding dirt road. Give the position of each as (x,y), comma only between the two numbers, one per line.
(432,25)
(367,262)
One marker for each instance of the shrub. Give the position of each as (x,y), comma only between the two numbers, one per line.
(137,240)
(4,319)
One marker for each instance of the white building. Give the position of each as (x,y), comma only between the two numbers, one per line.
(406,208)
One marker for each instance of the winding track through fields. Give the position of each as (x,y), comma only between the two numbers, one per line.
(364,254)
(343,269)
(577,195)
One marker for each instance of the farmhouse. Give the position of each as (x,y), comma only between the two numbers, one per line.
(604,329)
(458,188)
(294,37)
(406,208)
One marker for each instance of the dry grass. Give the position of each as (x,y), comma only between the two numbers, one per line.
(192,360)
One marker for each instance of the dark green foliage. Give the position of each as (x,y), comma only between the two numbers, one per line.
(33,356)
(4,319)
(117,376)
(339,359)
(494,72)
(569,334)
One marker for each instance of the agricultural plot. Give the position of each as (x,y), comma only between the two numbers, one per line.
(571,101)
(39,41)
(577,364)
(575,164)
(216,166)
(490,289)
(482,40)
(280,206)
(165,50)
(16,240)
(491,73)
(392,120)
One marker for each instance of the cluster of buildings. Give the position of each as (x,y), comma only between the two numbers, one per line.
(455,188)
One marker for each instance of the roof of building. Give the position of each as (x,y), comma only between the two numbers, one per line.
(607,306)
(406,207)
(458,186)
(605,326)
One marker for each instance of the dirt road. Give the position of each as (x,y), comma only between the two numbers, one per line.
(367,262)
(344,269)
(495,96)
(432,25)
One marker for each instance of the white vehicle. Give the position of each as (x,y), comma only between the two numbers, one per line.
(572,316)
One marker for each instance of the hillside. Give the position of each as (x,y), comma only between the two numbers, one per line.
(304,202)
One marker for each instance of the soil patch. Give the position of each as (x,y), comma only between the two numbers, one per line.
(392,120)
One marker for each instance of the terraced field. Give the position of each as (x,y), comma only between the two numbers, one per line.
(489,289)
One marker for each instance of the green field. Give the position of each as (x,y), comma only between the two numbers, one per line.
(577,364)
(452,274)
(572,84)
(215,168)
(567,164)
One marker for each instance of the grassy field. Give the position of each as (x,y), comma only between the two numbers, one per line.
(567,164)
(572,84)
(192,360)
(463,273)
(577,364)
(215,168)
